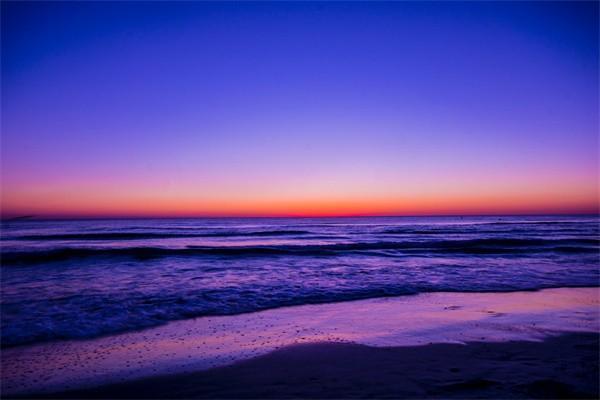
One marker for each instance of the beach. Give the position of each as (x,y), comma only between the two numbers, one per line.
(559,367)
(299,199)
(539,344)
(343,307)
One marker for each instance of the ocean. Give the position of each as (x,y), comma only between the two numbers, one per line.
(86,278)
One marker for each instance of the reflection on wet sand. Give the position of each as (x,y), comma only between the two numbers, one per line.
(203,343)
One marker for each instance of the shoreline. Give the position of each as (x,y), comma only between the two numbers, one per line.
(206,343)
(317,303)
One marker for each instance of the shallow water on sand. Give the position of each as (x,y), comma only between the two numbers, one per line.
(202,343)
(82,279)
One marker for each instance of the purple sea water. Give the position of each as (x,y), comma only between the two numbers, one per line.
(81,279)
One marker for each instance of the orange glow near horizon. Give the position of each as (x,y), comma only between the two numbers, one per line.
(552,201)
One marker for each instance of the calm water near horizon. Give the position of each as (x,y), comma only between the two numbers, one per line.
(81,279)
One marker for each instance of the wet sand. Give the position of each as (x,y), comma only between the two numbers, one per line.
(559,367)
(338,350)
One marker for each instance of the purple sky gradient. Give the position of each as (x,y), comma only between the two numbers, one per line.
(264,108)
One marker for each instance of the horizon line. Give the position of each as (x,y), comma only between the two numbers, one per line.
(105,217)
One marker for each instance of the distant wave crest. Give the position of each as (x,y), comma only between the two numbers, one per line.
(154,235)
(473,246)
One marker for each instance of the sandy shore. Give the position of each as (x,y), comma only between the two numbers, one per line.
(560,367)
(531,344)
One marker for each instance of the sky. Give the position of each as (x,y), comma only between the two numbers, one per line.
(299,109)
